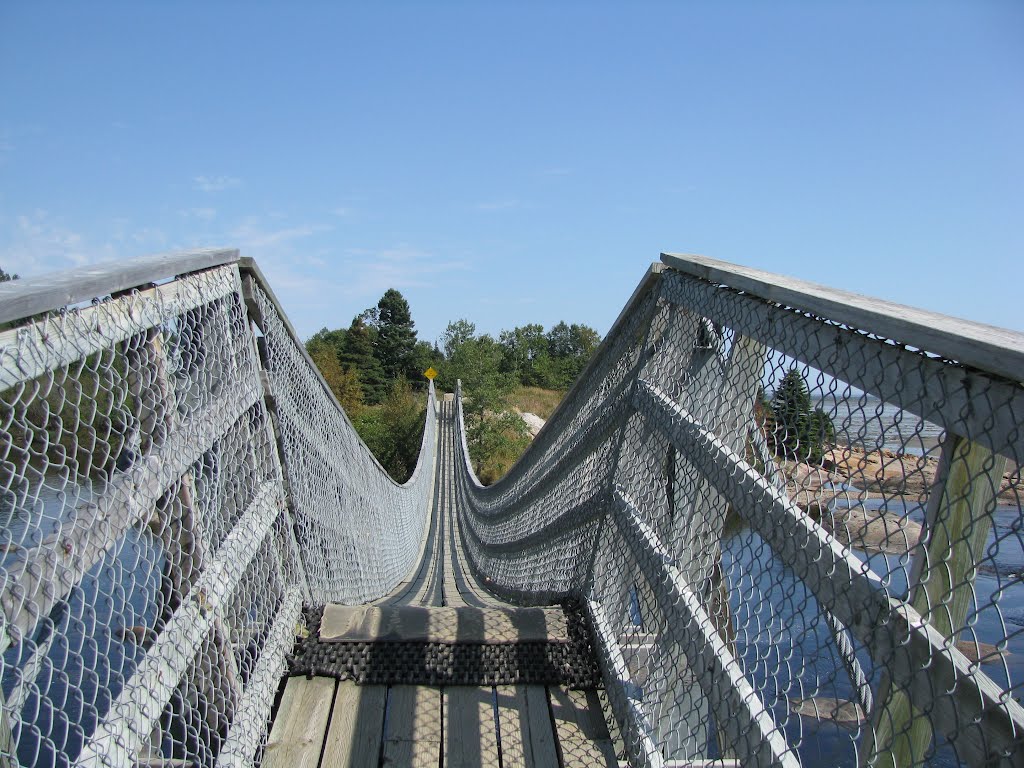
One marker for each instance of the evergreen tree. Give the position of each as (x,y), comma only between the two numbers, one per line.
(357,354)
(4,276)
(396,337)
(799,432)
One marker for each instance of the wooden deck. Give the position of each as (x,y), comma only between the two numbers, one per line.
(321,721)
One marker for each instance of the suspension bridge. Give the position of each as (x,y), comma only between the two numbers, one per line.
(771,524)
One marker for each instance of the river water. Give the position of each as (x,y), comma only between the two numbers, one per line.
(786,646)
(868,422)
(90,649)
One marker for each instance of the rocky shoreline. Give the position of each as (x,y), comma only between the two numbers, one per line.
(884,473)
(850,475)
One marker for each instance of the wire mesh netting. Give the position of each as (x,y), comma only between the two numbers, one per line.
(362,554)
(150,576)
(800,542)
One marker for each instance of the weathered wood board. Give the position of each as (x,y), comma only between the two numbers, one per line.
(297,737)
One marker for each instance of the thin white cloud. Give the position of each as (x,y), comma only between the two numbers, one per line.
(41,244)
(203,214)
(206,183)
(342,211)
(252,235)
(402,266)
(38,242)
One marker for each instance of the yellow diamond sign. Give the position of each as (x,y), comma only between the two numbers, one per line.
(430,373)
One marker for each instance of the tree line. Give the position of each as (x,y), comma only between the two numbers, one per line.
(375,365)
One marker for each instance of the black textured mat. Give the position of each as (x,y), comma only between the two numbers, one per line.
(572,663)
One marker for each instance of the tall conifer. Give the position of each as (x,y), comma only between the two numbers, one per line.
(357,353)
(396,337)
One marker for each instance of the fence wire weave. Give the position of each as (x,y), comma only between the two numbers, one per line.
(362,554)
(800,542)
(157,539)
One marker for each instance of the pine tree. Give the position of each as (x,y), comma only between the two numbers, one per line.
(357,354)
(799,432)
(396,337)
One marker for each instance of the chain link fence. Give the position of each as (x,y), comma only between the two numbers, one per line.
(799,538)
(175,479)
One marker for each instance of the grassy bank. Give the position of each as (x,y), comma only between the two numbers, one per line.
(536,400)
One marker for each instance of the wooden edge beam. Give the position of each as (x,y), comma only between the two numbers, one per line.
(986,347)
(34,295)
(932,389)
(48,344)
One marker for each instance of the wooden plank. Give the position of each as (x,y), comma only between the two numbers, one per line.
(121,734)
(527,740)
(46,345)
(582,735)
(297,738)
(357,726)
(433,624)
(413,734)
(254,708)
(987,347)
(470,730)
(33,295)
(748,724)
(938,678)
(932,389)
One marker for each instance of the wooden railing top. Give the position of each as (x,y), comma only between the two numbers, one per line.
(976,345)
(31,296)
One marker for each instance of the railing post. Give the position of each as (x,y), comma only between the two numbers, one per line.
(957,522)
(8,756)
(176,520)
(276,454)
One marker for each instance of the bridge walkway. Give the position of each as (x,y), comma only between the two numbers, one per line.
(325,721)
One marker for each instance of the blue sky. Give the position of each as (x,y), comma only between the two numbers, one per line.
(522,163)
